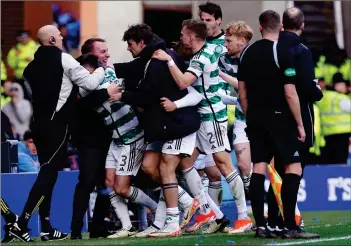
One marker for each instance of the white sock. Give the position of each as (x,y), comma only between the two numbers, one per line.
(237,188)
(214,207)
(160,216)
(193,181)
(214,190)
(184,198)
(181,181)
(205,183)
(138,196)
(120,206)
(173,216)
(246,180)
(297,210)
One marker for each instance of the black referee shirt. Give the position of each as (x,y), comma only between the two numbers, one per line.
(264,79)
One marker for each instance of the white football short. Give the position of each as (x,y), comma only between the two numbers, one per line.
(126,159)
(212,137)
(184,146)
(239,135)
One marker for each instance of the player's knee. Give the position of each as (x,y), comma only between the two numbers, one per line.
(150,169)
(243,164)
(121,190)
(109,182)
(294,168)
(213,174)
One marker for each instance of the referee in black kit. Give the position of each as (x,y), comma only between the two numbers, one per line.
(270,102)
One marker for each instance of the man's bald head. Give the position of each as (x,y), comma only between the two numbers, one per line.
(293,19)
(49,35)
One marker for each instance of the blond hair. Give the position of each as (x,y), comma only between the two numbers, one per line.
(239,29)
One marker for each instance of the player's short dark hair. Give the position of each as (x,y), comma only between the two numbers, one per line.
(87,47)
(139,32)
(270,20)
(27,135)
(293,18)
(197,27)
(88,59)
(212,9)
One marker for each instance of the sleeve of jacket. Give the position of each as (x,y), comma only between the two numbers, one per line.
(307,86)
(146,90)
(124,68)
(95,98)
(25,164)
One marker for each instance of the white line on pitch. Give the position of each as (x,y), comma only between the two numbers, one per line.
(313,241)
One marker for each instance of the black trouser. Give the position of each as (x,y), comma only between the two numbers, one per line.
(92,173)
(274,218)
(335,150)
(50,138)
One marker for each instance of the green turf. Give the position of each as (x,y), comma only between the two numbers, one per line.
(331,224)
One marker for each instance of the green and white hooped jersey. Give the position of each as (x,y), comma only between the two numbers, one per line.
(229,65)
(120,118)
(217,41)
(204,65)
(225,87)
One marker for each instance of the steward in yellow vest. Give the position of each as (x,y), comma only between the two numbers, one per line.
(335,112)
(3,71)
(21,54)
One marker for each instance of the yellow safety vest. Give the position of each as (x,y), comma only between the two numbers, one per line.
(231,114)
(3,71)
(327,70)
(319,141)
(345,69)
(333,119)
(20,56)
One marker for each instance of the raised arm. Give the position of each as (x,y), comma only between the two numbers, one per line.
(79,75)
(183,80)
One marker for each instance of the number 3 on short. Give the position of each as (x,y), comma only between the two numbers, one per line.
(124,160)
(211,138)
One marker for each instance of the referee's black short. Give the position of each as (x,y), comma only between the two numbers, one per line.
(273,135)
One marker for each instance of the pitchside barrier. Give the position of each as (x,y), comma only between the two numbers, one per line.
(323,187)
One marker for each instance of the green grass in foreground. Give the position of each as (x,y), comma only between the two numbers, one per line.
(331,225)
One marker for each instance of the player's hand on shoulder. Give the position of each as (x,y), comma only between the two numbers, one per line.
(161,55)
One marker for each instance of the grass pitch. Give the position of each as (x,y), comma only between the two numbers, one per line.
(334,228)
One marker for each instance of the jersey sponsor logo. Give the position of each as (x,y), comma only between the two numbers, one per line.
(121,169)
(289,72)
(213,147)
(296,153)
(169,147)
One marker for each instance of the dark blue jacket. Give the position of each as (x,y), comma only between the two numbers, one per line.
(306,88)
(158,124)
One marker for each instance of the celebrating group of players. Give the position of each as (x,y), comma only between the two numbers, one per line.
(167,111)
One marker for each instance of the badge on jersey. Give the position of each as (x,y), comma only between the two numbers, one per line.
(197,65)
(219,49)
